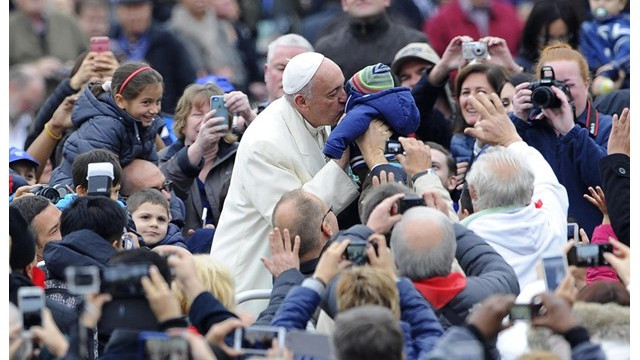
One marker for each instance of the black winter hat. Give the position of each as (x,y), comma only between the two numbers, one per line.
(23,243)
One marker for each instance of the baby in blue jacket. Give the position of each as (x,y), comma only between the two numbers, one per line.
(372,95)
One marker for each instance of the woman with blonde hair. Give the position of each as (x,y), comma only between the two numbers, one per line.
(200,162)
(215,277)
(555,116)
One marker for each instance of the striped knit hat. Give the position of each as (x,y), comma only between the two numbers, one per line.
(372,79)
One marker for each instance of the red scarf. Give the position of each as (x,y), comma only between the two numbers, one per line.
(440,290)
(37,277)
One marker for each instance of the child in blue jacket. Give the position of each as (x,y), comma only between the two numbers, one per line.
(372,95)
(605,42)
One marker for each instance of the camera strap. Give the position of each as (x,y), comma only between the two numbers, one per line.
(592,122)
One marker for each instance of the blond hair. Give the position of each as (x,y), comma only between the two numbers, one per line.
(560,51)
(366,285)
(215,277)
(197,95)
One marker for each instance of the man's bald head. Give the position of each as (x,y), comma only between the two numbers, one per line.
(142,174)
(302,214)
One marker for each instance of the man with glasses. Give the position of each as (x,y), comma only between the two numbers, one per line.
(298,214)
(142,174)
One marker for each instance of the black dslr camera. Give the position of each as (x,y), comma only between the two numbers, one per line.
(541,94)
(53,193)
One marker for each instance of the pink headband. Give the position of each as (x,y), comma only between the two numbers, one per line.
(131,77)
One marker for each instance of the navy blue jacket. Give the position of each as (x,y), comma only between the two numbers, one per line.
(574,159)
(100,124)
(396,106)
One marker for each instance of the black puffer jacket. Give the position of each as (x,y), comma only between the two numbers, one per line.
(100,124)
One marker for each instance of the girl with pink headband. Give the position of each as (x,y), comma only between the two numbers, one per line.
(121,116)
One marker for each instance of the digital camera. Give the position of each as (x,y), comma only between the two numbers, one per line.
(474,50)
(53,193)
(541,94)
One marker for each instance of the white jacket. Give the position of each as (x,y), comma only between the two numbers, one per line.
(522,234)
(279,152)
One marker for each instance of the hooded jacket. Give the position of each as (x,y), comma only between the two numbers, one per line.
(522,234)
(78,248)
(100,124)
(173,237)
(396,106)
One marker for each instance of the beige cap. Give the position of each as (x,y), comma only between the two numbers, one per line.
(299,71)
(414,50)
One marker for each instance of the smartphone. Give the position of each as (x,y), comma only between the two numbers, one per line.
(523,312)
(257,340)
(555,269)
(588,255)
(31,303)
(154,345)
(99,44)
(82,280)
(573,231)
(393,147)
(309,344)
(409,201)
(123,280)
(356,252)
(217,104)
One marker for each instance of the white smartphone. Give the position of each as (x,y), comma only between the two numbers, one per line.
(31,303)
(555,269)
(257,340)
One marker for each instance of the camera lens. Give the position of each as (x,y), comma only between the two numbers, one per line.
(478,51)
(543,97)
(50,193)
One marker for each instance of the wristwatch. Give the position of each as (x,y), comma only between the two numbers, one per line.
(314,284)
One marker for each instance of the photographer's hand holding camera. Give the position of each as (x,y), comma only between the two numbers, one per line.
(451,60)
(332,262)
(499,54)
(382,257)
(385,215)
(212,129)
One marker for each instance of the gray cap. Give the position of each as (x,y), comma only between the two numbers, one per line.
(416,50)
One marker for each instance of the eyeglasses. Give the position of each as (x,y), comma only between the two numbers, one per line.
(167,185)
(325,215)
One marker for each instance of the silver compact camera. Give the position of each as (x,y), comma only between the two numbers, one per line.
(474,50)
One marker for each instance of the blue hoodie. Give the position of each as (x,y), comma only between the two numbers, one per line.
(396,106)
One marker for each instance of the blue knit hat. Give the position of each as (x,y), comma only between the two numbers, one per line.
(372,79)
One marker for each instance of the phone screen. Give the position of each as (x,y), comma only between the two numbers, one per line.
(31,302)
(258,339)
(160,346)
(520,312)
(554,271)
(572,231)
(217,104)
(356,253)
(588,255)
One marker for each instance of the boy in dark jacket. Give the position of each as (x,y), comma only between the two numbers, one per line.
(372,96)
(150,212)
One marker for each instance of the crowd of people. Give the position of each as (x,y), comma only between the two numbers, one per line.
(391,179)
